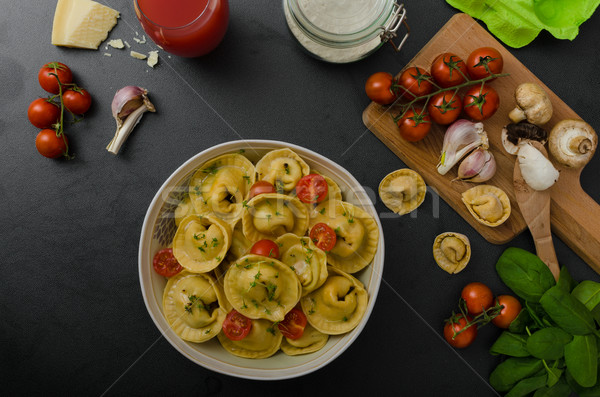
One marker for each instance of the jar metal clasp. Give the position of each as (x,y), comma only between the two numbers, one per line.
(390,31)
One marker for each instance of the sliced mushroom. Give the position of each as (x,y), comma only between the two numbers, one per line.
(513,134)
(533,105)
(573,142)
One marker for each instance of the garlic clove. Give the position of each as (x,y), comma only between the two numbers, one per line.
(572,142)
(461,137)
(538,172)
(479,166)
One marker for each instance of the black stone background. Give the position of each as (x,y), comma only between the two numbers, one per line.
(72,318)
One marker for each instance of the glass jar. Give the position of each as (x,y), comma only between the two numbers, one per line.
(342,31)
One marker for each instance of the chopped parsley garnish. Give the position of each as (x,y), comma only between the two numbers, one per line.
(322,211)
(215,242)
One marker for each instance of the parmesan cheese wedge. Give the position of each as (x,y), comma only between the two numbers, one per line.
(82,23)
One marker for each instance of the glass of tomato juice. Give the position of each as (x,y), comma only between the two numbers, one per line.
(188,28)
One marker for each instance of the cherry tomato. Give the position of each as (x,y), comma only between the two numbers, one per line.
(465,338)
(414,125)
(417,81)
(77,102)
(236,326)
(261,187)
(292,326)
(265,248)
(42,113)
(448,70)
(50,145)
(379,88)
(478,297)
(312,188)
(484,61)
(48,81)
(481,102)
(323,236)
(445,107)
(512,308)
(165,264)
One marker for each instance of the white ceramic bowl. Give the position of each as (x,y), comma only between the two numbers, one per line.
(158,231)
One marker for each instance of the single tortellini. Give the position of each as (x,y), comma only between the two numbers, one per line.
(283,168)
(357,234)
(194,306)
(263,340)
(338,305)
(201,242)
(308,262)
(271,215)
(488,204)
(452,251)
(221,185)
(402,191)
(310,342)
(240,245)
(184,208)
(262,287)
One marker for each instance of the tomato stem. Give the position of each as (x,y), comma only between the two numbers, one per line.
(59,128)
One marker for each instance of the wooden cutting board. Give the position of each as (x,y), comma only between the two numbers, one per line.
(575,216)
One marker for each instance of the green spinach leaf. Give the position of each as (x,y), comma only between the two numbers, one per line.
(565,281)
(588,293)
(518,324)
(560,389)
(524,273)
(581,357)
(508,373)
(567,312)
(548,343)
(526,386)
(581,391)
(510,344)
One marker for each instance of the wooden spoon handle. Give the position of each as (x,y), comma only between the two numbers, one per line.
(545,250)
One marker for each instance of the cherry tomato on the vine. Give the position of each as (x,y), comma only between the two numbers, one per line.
(512,308)
(379,88)
(51,145)
(292,326)
(478,297)
(236,326)
(323,236)
(265,248)
(48,81)
(445,107)
(480,103)
(77,101)
(484,61)
(456,325)
(416,81)
(165,264)
(43,113)
(312,188)
(448,70)
(414,125)
(261,187)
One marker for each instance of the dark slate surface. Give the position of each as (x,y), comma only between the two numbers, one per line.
(72,319)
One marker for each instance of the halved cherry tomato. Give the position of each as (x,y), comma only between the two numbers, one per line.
(448,70)
(478,297)
(484,61)
(265,248)
(51,145)
(456,325)
(416,81)
(512,308)
(312,188)
(165,264)
(292,326)
(445,107)
(323,236)
(48,81)
(43,113)
(236,326)
(261,187)
(379,88)
(414,125)
(77,102)
(481,102)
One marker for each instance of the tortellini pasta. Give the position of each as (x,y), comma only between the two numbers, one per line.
(357,234)
(184,208)
(310,342)
(402,191)
(338,305)
(283,168)
(308,262)
(271,215)
(262,287)
(221,185)
(488,204)
(194,306)
(201,242)
(263,341)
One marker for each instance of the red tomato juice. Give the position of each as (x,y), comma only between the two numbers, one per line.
(188,28)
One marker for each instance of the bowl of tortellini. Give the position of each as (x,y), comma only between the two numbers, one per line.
(209,218)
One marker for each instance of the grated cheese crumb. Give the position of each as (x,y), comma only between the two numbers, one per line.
(152,58)
(116,43)
(106,54)
(137,55)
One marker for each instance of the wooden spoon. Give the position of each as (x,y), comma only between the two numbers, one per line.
(535,207)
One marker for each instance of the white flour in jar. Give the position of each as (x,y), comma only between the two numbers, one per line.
(338,17)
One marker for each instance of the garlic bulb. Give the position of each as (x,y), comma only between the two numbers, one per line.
(461,137)
(572,142)
(479,166)
(538,172)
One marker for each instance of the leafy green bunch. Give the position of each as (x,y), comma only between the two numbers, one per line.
(551,348)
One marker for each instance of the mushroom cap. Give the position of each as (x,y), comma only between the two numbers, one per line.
(572,142)
(532,103)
